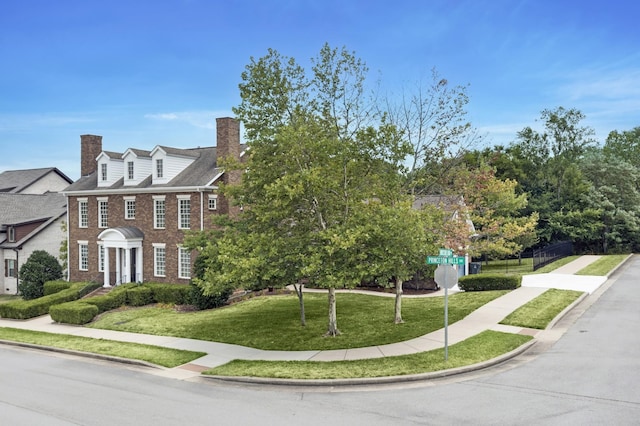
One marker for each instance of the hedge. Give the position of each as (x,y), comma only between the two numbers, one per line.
(25,309)
(80,311)
(52,287)
(77,312)
(484,282)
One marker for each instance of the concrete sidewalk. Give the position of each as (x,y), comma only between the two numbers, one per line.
(559,278)
(486,317)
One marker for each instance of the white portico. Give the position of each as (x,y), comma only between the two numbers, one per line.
(127,243)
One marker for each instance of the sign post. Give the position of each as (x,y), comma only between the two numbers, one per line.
(446,276)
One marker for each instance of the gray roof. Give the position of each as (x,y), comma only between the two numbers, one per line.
(129,232)
(22,208)
(199,173)
(447,202)
(14,181)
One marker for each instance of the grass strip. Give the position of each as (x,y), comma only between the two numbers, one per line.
(273,322)
(602,266)
(539,312)
(481,347)
(165,357)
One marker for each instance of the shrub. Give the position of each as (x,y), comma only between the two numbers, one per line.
(485,282)
(52,287)
(39,268)
(177,294)
(202,301)
(24,309)
(77,312)
(139,296)
(114,299)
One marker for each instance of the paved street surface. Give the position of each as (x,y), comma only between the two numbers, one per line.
(589,376)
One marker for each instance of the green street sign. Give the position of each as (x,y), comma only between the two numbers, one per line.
(445,260)
(446,252)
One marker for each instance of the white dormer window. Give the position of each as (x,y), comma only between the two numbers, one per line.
(103,172)
(12,234)
(159,168)
(130,170)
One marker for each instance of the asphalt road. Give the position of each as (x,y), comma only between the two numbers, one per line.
(590,376)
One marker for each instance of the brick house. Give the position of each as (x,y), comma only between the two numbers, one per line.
(129,212)
(31,216)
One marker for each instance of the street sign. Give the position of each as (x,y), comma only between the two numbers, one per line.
(445,260)
(446,252)
(446,276)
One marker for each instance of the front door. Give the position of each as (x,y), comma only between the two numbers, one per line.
(133,277)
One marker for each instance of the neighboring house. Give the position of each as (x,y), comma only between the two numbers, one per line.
(129,212)
(31,217)
(453,205)
(33,181)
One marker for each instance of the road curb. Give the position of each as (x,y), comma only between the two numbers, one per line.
(374,380)
(101,357)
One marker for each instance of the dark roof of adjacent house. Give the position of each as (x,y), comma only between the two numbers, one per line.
(23,208)
(14,181)
(200,172)
(18,209)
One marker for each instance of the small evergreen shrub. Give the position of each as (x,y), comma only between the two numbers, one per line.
(39,268)
(202,301)
(485,282)
(51,287)
(139,296)
(177,294)
(77,312)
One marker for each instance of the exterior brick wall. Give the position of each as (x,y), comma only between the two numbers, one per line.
(171,236)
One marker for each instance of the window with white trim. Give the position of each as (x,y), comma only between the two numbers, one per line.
(11,234)
(103,213)
(159,260)
(100,258)
(184,263)
(159,168)
(184,212)
(103,172)
(129,207)
(213,202)
(83,255)
(83,213)
(10,270)
(159,212)
(130,170)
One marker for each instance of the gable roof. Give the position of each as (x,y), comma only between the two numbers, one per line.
(15,181)
(201,172)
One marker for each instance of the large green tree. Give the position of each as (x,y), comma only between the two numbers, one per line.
(318,152)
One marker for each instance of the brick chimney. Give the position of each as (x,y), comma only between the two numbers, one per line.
(90,148)
(227,137)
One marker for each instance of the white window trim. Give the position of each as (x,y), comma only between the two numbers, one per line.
(214,198)
(180,265)
(82,243)
(100,257)
(86,204)
(180,198)
(131,167)
(155,217)
(103,172)
(102,200)
(155,259)
(126,210)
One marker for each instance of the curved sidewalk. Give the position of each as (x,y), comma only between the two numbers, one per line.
(486,317)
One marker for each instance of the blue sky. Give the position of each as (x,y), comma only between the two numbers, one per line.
(142,73)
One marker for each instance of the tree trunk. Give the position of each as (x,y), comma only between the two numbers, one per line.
(398,308)
(303,319)
(333,320)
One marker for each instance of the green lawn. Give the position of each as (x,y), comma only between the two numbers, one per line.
(603,266)
(539,312)
(166,357)
(481,347)
(273,322)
